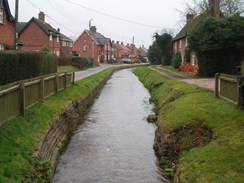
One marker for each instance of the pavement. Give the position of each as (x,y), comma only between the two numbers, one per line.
(205,83)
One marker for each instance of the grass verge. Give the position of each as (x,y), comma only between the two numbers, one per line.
(68,68)
(206,133)
(20,137)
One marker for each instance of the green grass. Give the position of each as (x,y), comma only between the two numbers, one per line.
(171,68)
(68,68)
(168,73)
(180,104)
(20,137)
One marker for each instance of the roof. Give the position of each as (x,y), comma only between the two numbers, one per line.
(47,28)
(21,25)
(65,38)
(7,9)
(120,47)
(97,37)
(190,26)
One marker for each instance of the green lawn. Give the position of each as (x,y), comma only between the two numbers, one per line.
(181,106)
(68,68)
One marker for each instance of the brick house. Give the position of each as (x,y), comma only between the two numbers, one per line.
(180,42)
(37,34)
(133,50)
(6,26)
(142,51)
(120,50)
(92,44)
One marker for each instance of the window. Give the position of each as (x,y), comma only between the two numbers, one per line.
(180,43)
(186,42)
(57,39)
(1,15)
(64,43)
(71,44)
(50,37)
(84,48)
(1,47)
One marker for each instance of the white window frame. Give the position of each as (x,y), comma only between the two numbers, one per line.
(1,15)
(84,47)
(180,44)
(64,43)
(57,39)
(1,47)
(50,37)
(186,44)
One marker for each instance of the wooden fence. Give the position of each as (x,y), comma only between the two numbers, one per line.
(230,87)
(16,97)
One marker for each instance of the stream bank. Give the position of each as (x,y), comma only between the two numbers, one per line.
(198,137)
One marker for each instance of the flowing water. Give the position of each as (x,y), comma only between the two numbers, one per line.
(115,144)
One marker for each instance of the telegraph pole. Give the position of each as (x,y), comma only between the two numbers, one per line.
(16,24)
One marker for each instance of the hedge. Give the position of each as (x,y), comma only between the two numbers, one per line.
(82,62)
(19,65)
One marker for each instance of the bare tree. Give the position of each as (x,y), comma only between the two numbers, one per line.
(227,7)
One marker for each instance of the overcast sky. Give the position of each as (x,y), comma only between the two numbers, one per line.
(72,16)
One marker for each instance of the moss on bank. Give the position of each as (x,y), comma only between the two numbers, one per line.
(20,137)
(200,137)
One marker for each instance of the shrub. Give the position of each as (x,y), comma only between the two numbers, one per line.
(19,65)
(82,62)
(176,60)
(218,44)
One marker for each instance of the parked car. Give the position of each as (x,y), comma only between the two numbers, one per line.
(126,60)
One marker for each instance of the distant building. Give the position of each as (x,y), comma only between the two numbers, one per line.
(180,41)
(6,26)
(92,44)
(37,34)
(120,50)
(142,51)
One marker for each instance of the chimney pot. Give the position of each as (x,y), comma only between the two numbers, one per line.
(41,16)
(117,42)
(122,43)
(189,17)
(93,29)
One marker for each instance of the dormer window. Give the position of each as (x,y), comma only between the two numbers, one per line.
(1,15)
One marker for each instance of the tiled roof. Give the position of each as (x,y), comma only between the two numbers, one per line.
(65,38)
(120,47)
(21,25)
(7,9)
(97,37)
(190,26)
(43,25)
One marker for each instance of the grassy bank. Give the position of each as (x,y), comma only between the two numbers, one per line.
(20,137)
(68,68)
(206,134)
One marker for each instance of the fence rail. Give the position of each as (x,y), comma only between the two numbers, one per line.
(16,97)
(230,87)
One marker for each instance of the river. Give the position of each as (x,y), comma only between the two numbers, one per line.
(115,143)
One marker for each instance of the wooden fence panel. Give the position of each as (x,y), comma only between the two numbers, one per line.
(16,97)
(229,90)
(32,93)
(9,103)
(49,86)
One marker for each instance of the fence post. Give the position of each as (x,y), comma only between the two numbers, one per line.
(42,88)
(56,83)
(65,80)
(73,78)
(22,98)
(217,84)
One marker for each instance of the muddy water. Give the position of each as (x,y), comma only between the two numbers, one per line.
(114,145)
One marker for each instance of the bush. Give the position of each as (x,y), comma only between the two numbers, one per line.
(218,44)
(82,62)
(176,60)
(19,65)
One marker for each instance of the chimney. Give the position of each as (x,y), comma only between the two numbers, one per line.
(117,42)
(128,44)
(214,8)
(58,29)
(93,29)
(41,16)
(122,43)
(189,17)
(113,41)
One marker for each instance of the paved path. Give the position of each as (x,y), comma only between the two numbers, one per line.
(83,74)
(205,83)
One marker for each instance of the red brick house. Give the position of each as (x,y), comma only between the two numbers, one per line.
(92,44)
(6,26)
(37,34)
(133,50)
(120,50)
(142,51)
(180,42)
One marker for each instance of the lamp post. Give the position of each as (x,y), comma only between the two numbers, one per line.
(16,35)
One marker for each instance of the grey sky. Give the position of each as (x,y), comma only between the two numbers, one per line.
(158,13)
